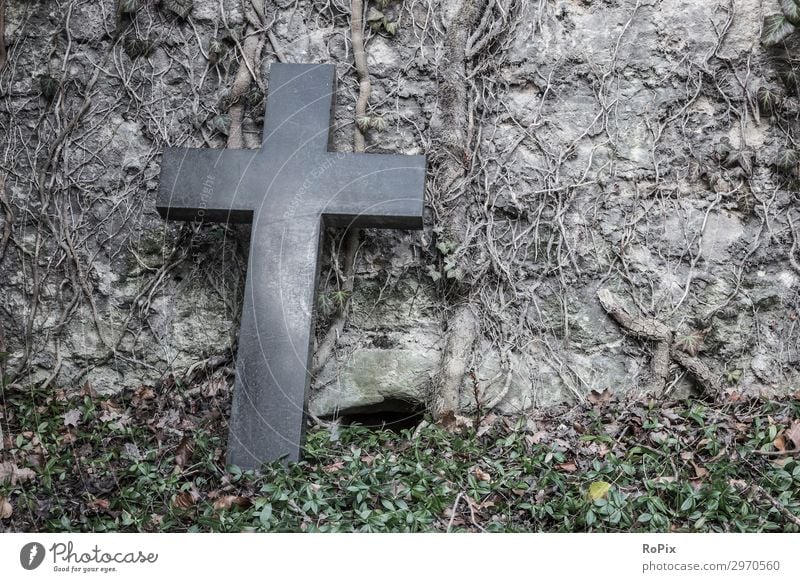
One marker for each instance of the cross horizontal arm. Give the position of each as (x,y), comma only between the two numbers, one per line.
(204,184)
(374,190)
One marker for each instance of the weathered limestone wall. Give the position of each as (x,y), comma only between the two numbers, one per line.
(613,144)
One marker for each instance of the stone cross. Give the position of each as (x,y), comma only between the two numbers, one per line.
(288,190)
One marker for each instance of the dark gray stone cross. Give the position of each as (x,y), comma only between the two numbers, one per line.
(288,190)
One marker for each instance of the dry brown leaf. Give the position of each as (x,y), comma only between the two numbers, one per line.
(5,508)
(73,417)
(600,397)
(36,459)
(183,454)
(454,423)
(229,501)
(110,410)
(333,467)
(779,443)
(10,472)
(98,504)
(700,472)
(482,475)
(793,434)
(142,394)
(184,500)
(535,438)
(213,387)
(568,467)
(87,390)
(486,425)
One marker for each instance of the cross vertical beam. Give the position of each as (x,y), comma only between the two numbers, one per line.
(288,190)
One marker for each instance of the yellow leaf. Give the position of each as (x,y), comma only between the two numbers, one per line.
(598,490)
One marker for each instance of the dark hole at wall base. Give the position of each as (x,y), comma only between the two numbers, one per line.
(395,415)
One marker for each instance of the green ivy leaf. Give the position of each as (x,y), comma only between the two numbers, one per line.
(128,6)
(390,26)
(363,123)
(48,86)
(215,50)
(790,77)
(222,123)
(379,123)
(768,100)
(787,160)
(776,28)
(374,15)
(180,7)
(791,10)
(433,273)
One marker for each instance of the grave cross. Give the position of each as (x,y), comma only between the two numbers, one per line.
(288,190)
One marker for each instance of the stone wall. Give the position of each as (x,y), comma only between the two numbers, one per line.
(613,144)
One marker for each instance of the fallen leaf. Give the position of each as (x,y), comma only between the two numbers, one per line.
(568,467)
(110,411)
(665,479)
(10,472)
(213,387)
(132,451)
(73,417)
(793,434)
(779,443)
(598,397)
(598,490)
(98,504)
(700,472)
(183,454)
(482,475)
(5,508)
(535,438)
(87,390)
(183,500)
(142,394)
(229,501)
(486,425)
(454,423)
(484,505)
(333,467)
(658,437)
(36,460)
